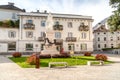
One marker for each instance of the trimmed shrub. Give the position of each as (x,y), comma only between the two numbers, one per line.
(31,59)
(45,56)
(101,57)
(16,54)
(87,54)
(64,55)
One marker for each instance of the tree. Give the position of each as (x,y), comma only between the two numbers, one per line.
(114,20)
(115,4)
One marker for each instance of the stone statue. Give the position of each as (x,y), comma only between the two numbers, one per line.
(50,47)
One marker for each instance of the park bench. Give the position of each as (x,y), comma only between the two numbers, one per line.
(53,63)
(89,63)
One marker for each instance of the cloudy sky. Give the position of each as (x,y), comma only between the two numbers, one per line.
(98,9)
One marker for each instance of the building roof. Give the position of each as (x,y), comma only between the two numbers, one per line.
(11,6)
(57,15)
(100,23)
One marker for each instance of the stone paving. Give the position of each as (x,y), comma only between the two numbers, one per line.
(11,71)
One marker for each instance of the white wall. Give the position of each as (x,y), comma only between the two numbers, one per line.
(7,14)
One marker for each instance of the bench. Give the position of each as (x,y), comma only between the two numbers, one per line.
(51,63)
(89,63)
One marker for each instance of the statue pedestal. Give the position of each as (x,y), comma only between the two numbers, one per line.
(50,50)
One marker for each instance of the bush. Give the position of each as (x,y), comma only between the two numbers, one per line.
(17,54)
(31,59)
(64,55)
(87,54)
(101,57)
(45,56)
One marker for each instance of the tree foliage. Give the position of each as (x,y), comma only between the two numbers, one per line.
(9,24)
(115,4)
(114,20)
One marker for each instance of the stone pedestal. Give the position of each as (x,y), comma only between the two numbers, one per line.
(50,50)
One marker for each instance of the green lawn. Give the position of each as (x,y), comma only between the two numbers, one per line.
(79,60)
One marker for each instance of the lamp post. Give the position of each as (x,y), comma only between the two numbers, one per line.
(37,61)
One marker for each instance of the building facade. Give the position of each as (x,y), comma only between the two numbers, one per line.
(71,32)
(8,35)
(104,38)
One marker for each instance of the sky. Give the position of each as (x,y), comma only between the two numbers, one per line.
(98,9)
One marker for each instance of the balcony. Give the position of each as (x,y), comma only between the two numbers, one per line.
(41,39)
(83,27)
(29,26)
(58,27)
(58,41)
(71,39)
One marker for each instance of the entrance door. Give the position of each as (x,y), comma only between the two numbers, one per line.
(71,47)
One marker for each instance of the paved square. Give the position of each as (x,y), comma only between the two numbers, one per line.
(11,71)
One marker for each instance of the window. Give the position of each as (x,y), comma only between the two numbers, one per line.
(70,34)
(43,34)
(30,21)
(98,39)
(98,33)
(69,24)
(82,24)
(98,45)
(56,23)
(104,38)
(83,46)
(13,16)
(42,46)
(11,46)
(105,45)
(111,45)
(12,34)
(57,35)
(118,38)
(83,35)
(43,23)
(104,33)
(29,47)
(111,38)
(29,34)
(70,46)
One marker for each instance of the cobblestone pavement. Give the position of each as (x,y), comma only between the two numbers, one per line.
(11,71)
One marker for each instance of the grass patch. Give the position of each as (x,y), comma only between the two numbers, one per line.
(79,60)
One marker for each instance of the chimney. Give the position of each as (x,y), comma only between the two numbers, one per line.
(37,11)
(45,11)
(10,3)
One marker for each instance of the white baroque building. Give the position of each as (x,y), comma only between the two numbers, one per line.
(71,32)
(9,12)
(103,38)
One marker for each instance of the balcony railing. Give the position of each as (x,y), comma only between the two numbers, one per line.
(83,28)
(29,26)
(58,27)
(71,39)
(41,38)
(58,41)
